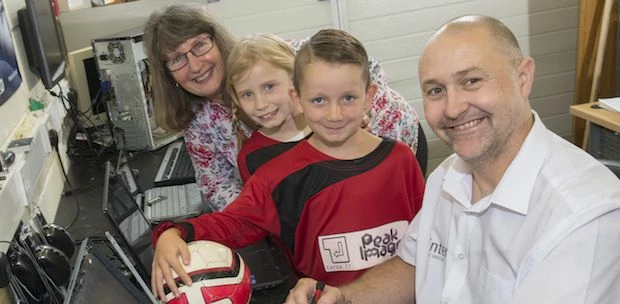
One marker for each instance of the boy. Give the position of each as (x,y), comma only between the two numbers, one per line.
(339,200)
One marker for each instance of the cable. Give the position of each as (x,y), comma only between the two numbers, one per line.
(92,150)
(53,136)
(77,202)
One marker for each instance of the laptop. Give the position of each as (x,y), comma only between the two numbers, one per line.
(169,203)
(176,167)
(266,272)
(96,278)
(127,220)
(125,259)
(120,206)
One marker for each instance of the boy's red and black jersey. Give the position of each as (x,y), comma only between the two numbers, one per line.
(258,150)
(338,217)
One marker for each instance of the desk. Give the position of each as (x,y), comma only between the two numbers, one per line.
(604,130)
(87,179)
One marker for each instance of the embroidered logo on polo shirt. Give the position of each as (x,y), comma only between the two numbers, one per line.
(438,251)
(361,249)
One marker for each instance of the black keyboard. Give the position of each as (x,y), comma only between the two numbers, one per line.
(176,167)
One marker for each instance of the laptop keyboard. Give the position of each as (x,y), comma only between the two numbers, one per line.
(179,200)
(175,202)
(176,167)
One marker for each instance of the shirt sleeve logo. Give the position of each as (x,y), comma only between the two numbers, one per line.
(361,249)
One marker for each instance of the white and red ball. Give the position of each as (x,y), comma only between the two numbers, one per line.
(219,275)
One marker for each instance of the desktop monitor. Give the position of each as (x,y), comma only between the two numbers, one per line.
(84,79)
(42,41)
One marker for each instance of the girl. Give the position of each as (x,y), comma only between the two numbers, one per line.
(260,77)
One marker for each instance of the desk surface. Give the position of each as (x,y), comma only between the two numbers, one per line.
(599,116)
(87,181)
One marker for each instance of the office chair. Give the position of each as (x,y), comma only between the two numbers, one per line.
(613,165)
(422,152)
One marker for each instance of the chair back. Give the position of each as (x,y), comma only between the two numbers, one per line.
(613,165)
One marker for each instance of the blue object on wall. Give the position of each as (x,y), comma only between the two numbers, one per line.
(10,79)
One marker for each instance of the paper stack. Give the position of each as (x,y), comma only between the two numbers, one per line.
(612,104)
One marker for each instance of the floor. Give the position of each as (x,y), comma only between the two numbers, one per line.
(85,189)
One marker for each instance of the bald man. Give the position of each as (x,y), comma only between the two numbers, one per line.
(517,214)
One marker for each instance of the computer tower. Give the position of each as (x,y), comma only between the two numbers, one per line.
(124,73)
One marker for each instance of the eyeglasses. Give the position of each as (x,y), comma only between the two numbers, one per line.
(200,48)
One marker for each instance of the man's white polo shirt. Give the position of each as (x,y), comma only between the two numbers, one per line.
(549,233)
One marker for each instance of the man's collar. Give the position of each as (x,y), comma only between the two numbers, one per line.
(515,187)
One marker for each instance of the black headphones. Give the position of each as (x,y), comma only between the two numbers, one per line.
(58,237)
(54,235)
(35,257)
(23,268)
(55,264)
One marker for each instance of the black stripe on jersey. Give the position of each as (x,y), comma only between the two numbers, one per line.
(292,193)
(260,156)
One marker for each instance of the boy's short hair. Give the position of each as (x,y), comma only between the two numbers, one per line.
(331,46)
(252,49)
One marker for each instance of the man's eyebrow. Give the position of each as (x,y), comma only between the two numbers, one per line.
(462,73)
(431,81)
(456,75)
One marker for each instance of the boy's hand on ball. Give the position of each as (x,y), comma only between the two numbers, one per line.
(170,250)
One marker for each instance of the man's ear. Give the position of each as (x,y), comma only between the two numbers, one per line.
(370,95)
(526,71)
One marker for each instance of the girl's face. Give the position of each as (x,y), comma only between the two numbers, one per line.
(201,75)
(262,93)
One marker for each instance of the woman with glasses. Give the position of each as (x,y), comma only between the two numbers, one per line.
(187,48)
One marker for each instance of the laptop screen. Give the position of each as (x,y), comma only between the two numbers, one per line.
(128,220)
(94,276)
(130,181)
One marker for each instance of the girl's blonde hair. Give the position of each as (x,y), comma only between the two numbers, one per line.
(164,31)
(247,53)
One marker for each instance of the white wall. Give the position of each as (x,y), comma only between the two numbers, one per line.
(395,32)
(81,26)
(46,192)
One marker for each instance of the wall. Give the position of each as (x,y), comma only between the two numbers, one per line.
(395,32)
(12,110)
(81,26)
(44,190)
